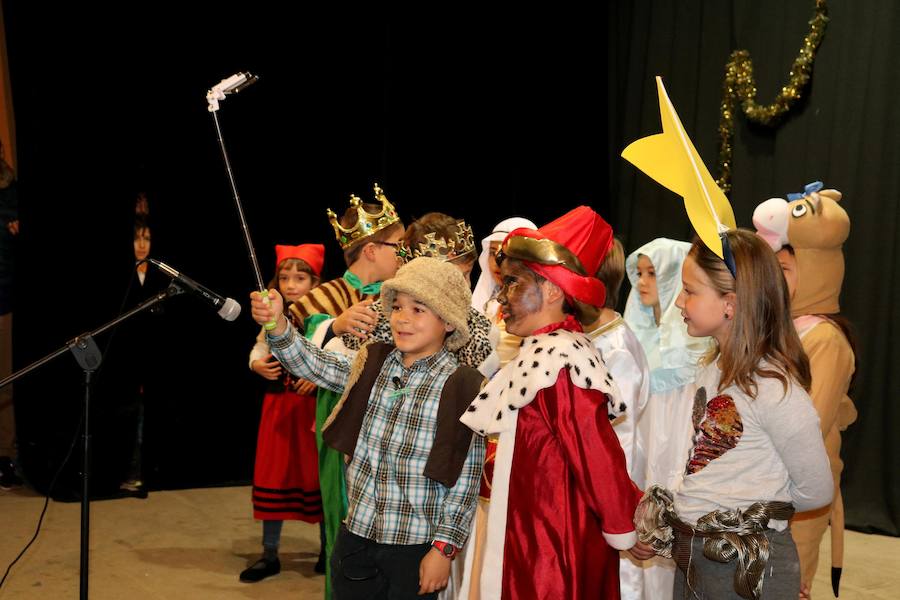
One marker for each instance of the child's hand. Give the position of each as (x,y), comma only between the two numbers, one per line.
(304,387)
(434,572)
(273,311)
(642,551)
(359,320)
(805,593)
(269,368)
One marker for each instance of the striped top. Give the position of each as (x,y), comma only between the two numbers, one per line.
(331,298)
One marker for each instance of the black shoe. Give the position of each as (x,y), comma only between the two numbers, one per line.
(320,564)
(8,477)
(260,570)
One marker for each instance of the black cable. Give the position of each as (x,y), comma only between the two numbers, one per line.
(71,447)
(46,501)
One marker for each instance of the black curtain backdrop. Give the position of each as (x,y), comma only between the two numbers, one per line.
(455,112)
(844,132)
(479,116)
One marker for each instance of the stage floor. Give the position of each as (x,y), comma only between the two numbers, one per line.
(193,543)
(189,544)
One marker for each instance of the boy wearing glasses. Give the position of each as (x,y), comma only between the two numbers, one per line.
(368,234)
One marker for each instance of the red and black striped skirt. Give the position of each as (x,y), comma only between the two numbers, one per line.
(286,474)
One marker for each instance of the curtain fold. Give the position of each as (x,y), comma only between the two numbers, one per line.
(845,132)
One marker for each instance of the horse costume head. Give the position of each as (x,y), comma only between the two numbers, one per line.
(816,227)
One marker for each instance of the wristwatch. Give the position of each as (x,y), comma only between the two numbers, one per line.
(446,548)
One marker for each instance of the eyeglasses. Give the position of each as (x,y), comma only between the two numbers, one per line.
(399,250)
(402,252)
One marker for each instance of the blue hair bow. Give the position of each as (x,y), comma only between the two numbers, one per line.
(728,255)
(815,186)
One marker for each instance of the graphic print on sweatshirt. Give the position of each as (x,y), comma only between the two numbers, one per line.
(717,429)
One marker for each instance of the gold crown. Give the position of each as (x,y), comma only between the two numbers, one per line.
(366,223)
(459,245)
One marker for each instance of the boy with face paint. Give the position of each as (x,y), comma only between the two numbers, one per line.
(561,500)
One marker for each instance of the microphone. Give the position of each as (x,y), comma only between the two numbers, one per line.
(228,308)
(397,382)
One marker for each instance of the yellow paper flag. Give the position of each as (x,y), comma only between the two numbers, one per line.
(671,159)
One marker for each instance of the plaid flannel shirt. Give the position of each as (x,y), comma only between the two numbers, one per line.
(391,501)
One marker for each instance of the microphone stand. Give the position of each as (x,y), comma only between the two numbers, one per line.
(88,356)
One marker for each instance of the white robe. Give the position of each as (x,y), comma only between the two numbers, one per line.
(673,357)
(627,364)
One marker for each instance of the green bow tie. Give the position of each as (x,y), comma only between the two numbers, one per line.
(370,289)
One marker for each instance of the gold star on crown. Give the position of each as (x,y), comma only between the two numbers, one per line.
(366,223)
(459,245)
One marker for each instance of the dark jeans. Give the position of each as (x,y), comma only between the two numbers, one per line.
(715,581)
(364,570)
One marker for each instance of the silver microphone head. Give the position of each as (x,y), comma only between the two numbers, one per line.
(230,310)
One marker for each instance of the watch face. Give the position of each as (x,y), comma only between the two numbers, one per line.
(448,550)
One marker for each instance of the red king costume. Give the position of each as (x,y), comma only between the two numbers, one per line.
(562,503)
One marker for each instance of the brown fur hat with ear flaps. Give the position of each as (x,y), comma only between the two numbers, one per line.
(438,285)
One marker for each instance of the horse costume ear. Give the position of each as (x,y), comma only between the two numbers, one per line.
(671,159)
(833,194)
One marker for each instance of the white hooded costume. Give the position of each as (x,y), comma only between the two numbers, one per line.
(673,357)
(484,298)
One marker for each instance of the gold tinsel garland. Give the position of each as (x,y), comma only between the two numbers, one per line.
(740,85)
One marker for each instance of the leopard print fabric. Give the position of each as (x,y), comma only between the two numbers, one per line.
(472,354)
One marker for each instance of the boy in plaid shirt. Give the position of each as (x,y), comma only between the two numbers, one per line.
(414,469)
